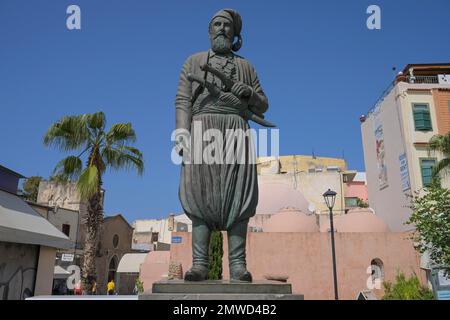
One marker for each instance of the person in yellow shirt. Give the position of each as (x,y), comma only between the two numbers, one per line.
(110,287)
(94,288)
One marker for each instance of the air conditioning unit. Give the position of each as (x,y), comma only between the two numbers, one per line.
(444,78)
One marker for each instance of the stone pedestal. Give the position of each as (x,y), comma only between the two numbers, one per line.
(220,290)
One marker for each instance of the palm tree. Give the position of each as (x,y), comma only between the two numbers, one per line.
(101,149)
(441,143)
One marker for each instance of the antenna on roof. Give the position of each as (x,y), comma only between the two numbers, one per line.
(313,154)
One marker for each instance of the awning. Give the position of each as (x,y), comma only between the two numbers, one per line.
(60,273)
(19,223)
(131,262)
(142,246)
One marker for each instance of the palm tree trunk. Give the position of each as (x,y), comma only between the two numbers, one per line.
(93,223)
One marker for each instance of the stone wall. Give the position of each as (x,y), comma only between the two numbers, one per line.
(18,269)
(63,195)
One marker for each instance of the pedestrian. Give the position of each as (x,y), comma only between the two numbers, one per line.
(77,288)
(94,287)
(110,287)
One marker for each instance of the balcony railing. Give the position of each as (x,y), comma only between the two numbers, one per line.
(410,79)
(422,79)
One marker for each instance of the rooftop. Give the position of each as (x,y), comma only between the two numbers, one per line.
(5,169)
(19,223)
(298,163)
(427,68)
(416,73)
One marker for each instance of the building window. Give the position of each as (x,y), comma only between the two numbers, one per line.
(377,270)
(422,117)
(115,241)
(351,202)
(182,227)
(426,168)
(154,237)
(66,229)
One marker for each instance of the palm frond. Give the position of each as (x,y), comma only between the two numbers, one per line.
(124,157)
(69,168)
(121,133)
(69,133)
(88,183)
(96,120)
(442,166)
(440,143)
(134,151)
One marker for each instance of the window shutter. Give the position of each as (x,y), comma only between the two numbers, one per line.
(426,166)
(422,118)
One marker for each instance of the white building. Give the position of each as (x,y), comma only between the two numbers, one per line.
(156,234)
(395,136)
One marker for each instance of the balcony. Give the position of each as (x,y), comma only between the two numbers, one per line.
(428,73)
(422,79)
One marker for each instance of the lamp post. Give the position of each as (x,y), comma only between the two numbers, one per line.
(330,198)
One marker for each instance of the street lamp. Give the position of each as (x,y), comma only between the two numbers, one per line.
(330,198)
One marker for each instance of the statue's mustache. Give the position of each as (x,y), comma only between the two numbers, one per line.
(221,35)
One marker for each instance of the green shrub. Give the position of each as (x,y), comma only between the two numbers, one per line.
(139,285)
(215,256)
(431,220)
(406,289)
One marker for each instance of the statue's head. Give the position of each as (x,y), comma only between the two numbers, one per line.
(224,27)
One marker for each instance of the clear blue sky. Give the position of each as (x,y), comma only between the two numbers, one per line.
(318,63)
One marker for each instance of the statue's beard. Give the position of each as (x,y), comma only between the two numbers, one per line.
(221,44)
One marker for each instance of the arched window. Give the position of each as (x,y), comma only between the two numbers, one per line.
(112,268)
(377,270)
(115,241)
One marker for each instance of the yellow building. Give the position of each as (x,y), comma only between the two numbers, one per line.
(301,163)
(300,181)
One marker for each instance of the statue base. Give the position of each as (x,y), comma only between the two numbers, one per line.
(220,290)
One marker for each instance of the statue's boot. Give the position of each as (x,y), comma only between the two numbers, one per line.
(196,273)
(200,245)
(237,237)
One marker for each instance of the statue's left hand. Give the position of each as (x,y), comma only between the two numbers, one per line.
(241,90)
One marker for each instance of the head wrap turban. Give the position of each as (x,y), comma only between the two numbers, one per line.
(236,20)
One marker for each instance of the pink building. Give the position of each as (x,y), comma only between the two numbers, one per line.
(305,259)
(296,246)
(154,268)
(289,239)
(356,189)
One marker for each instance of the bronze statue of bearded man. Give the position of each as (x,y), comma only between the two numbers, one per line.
(219,196)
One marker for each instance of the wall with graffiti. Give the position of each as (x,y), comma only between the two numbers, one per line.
(380,149)
(18,267)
